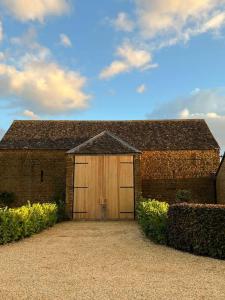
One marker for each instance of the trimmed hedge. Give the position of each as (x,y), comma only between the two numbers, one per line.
(152,216)
(18,223)
(197,228)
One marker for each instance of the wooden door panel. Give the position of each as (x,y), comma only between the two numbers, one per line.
(103,178)
(126,159)
(126,216)
(81,200)
(80,187)
(88,186)
(126,177)
(95,187)
(126,200)
(81,175)
(81,159)
(111,187)
(80,203)
(126,187)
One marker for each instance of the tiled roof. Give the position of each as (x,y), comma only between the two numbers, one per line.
(104,143)
(142,135)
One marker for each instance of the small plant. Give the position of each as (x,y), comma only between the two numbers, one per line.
(60,201)
(152,216)
(7,199)
(183,196)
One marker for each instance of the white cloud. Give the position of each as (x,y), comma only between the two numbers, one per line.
(46,87)
(123,22)
(160,23)
(35,10)
(215,22)
(31,80)
(26,49)
(141,89)
(65,40)
(184,114)
(171,21)
(30,114)
(205,104)
(129,59)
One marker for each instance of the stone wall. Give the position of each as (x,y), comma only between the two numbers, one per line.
(163,173)
(202,189)
(179,164)
(21,173)
(220,183)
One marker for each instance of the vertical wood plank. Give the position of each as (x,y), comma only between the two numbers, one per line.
(126,187)
(94,187)
(111,186)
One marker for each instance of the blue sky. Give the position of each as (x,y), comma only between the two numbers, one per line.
(118,59)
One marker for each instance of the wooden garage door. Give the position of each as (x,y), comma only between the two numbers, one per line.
(103,187)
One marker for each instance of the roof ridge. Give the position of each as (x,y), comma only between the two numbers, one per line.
(83,121)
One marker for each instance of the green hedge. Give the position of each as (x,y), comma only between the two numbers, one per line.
(197,228)
(18,223)
(152,216)
(6,199)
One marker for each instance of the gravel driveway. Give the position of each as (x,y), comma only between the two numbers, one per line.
(111,260)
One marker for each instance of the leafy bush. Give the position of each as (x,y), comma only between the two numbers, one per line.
(18,223)
(183,196)
(61,205)
(197,228)
(152,216)
(61,214)
(6,199)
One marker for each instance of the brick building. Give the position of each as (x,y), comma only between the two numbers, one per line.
(160,157)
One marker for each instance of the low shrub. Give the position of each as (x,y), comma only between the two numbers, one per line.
(7,199)
(18,223)
(183,196)
(197,228)
(60,201)
(152,216)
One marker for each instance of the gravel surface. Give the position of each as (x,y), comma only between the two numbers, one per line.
(108,260)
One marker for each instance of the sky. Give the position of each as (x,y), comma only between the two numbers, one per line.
(113,60)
